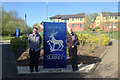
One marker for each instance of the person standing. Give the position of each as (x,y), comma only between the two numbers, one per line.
(34,52)
(72,42)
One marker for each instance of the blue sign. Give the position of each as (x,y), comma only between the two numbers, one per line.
(55,45)
(17,33)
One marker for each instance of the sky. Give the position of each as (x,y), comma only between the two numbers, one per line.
(36,11)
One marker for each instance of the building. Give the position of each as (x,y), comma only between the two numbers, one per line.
(77,21)
(105,21)
(39,26)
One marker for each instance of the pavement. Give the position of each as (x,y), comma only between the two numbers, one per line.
(9,69)
(82,68)
(108,68)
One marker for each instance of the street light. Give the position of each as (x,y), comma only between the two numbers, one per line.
(108,25)
(112,31)
(92,24)
(46,11)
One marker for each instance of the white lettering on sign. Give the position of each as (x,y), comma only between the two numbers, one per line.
(54,57)
(55,42)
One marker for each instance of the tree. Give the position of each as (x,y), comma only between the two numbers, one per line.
(93,17)
(13,14)
(11,27)
(5,19)
(87,22)
(10,22)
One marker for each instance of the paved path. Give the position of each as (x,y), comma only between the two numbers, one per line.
(82,68)
(0,62)
(108,67)
(9,69)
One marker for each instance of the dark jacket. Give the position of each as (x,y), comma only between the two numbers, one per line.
(69,41)
(34,41)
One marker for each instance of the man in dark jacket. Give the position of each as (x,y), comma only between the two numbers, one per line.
(72,42)
(34,45)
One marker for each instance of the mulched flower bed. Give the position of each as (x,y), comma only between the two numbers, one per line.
(86,55)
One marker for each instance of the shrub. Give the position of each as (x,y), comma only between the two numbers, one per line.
(99,29)
(81,38)
(90,39)
(96,28)
(42,41)
(96,39)
(105,40)
(24,40)
(18,43)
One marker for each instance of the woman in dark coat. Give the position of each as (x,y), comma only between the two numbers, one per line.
(72,42)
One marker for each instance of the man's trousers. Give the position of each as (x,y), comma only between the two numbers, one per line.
(34,59)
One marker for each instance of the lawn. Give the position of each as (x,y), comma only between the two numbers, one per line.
(6,38)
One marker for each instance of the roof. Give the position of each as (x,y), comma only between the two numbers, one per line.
(79,15)
(105,14)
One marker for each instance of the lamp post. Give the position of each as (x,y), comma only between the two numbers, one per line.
(92,24)
(46,11)
(108,25)
(112,31)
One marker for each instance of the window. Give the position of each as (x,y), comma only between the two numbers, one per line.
(97,18)
(81,19)
(78,24)
(72,25)
(72,19)
(115,17)
(97,22)
(53,20)
(81,25)
(118,17)
(106,23)
(116,24)
(65,20)
(106,18)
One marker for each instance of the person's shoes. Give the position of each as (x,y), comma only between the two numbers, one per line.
(36,70)
(31,71)
(75,69)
